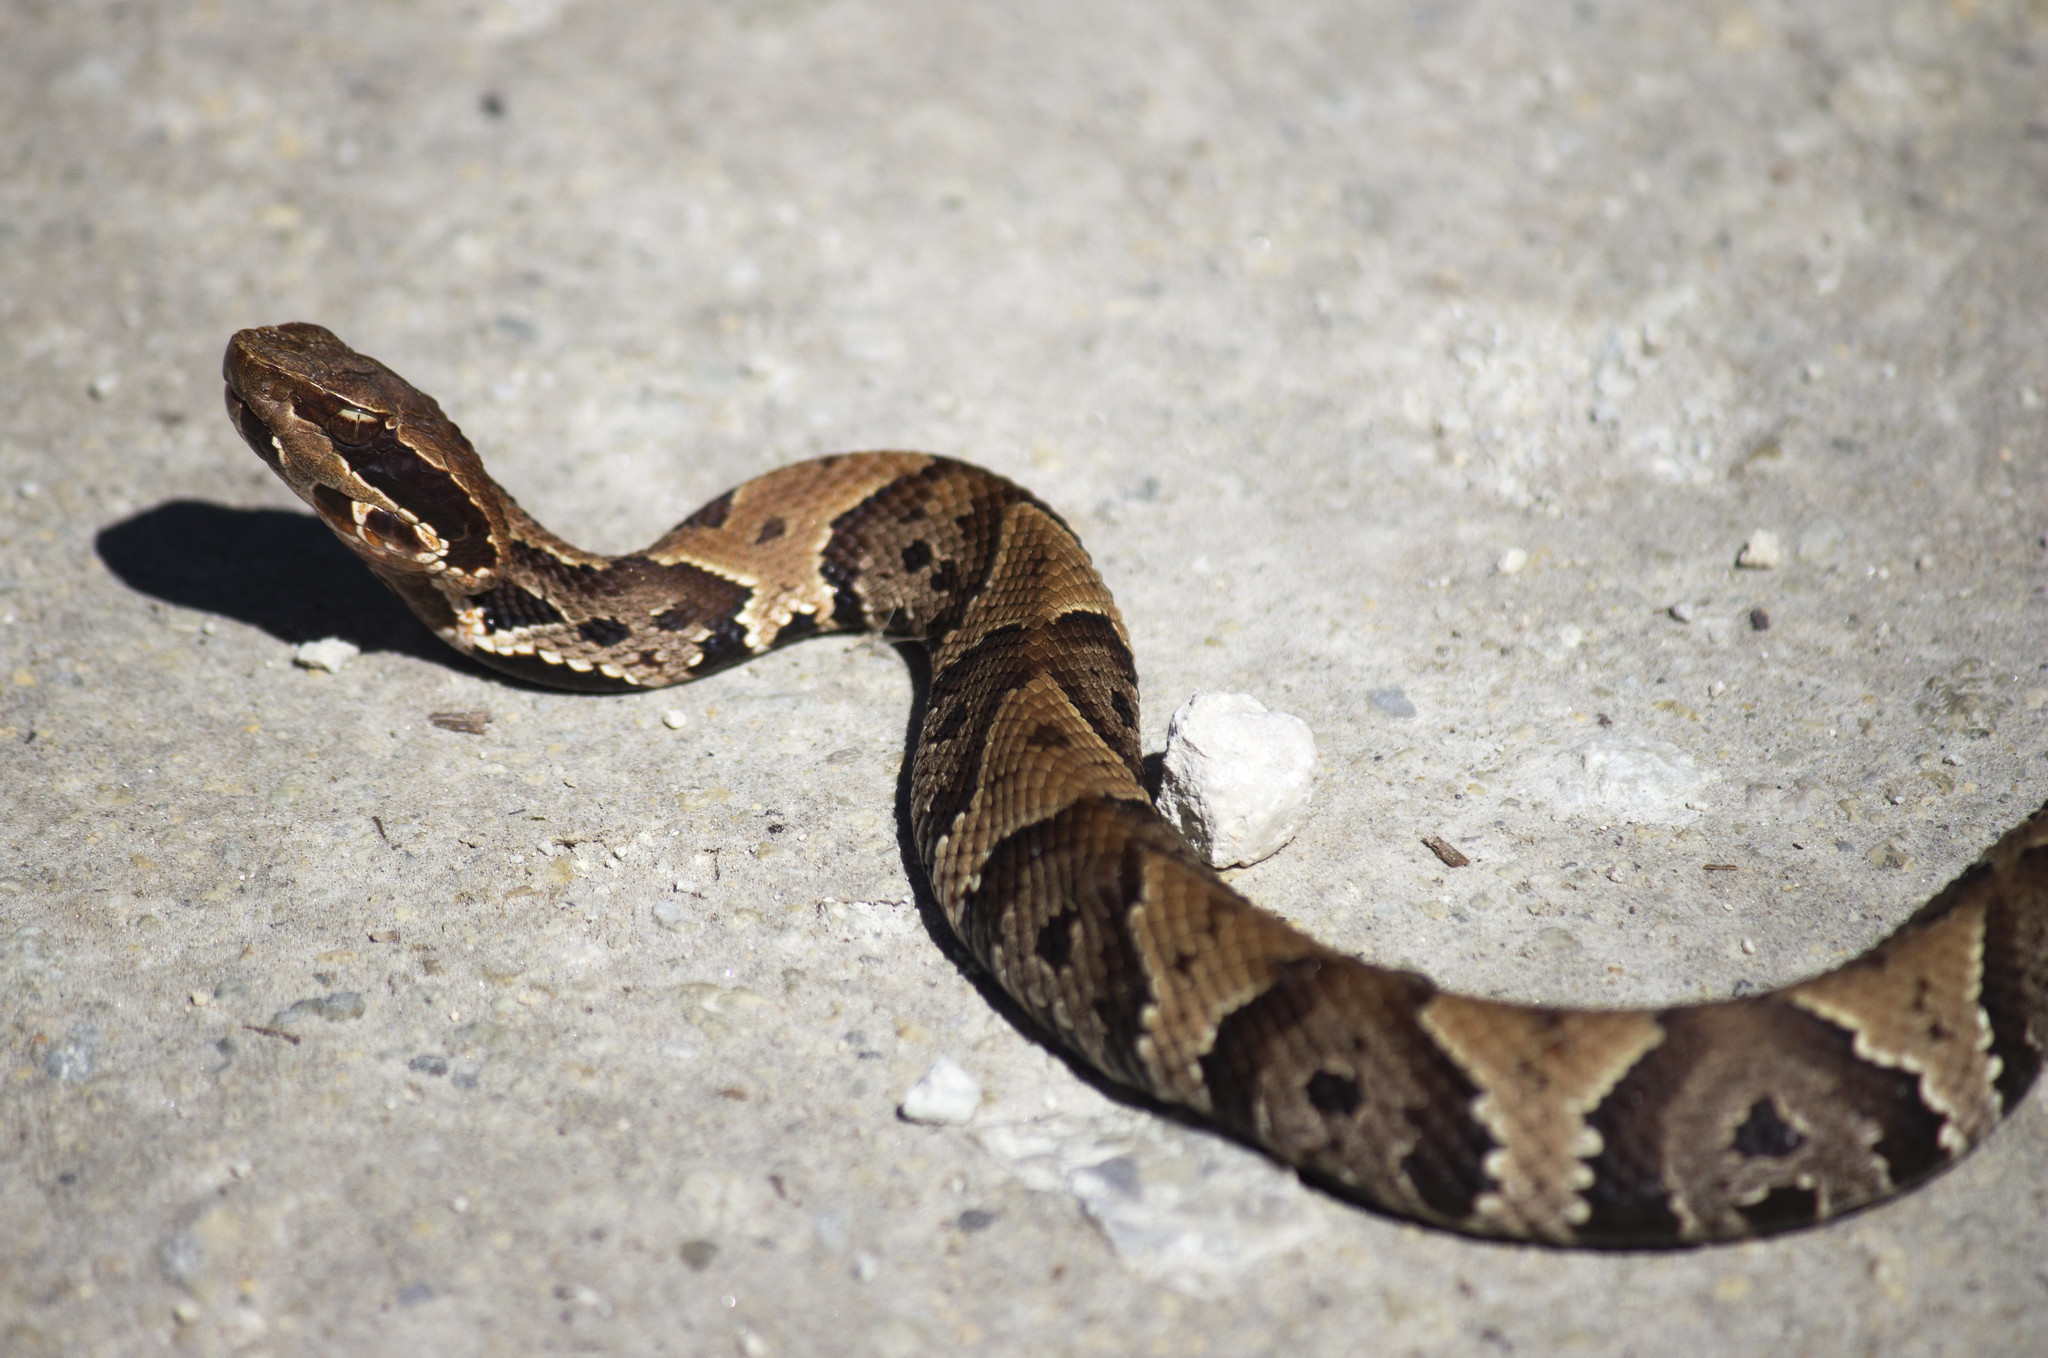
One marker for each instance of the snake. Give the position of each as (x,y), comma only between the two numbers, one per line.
(1031,823)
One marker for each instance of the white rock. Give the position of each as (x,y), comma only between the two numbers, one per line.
(328,653)
(675,719)
(1237,777)
(1511,561)
(947,1095)
(1762,552)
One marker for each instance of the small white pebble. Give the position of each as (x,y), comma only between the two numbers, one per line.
(200,999)
(1511,561)
(101,387)
(1681,611)
(1749,945)
(675,719)
(28,490)
(1237,777)
(185,1312)
(241,1169)
(458,1203)
(1716,689)
(328,653)
(947,1095)
(1955,759)
(1762,552)
(1923,562)
(668,913)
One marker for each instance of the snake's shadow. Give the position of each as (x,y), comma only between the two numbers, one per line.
(270,568)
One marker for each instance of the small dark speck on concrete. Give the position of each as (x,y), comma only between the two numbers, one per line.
(428,1065)
(698,1254)
(1845,846)
(975,1219)
(492,104)
(415,1294)
(1759,620)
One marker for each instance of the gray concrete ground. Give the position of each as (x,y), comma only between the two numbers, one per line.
(324,1029)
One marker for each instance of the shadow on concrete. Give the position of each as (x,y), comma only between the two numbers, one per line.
(270,568)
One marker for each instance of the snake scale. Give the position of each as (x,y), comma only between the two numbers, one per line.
(1611,1128)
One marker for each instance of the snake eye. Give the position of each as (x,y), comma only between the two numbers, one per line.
(353,427)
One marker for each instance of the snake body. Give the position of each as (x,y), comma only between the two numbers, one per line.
(1611,1128)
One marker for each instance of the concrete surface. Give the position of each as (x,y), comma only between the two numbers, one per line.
(329,1030)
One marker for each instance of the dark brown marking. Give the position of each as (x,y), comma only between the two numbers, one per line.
(917,555)
(712,514)
(799,626)
(1334,1093)
(1448,1165)
(846,606)
(1784,1208)
(726,645)
(603,631)
(508,608)
(1765,1133)
(1056,940)
(771,530)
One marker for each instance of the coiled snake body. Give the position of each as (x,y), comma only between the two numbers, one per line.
(1575,1127)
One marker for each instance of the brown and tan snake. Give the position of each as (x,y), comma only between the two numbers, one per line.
(1620,1128)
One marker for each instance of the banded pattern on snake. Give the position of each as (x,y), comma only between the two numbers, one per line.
(1575,1127)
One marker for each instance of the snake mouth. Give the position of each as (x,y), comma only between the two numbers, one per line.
(380,536)
(259,436)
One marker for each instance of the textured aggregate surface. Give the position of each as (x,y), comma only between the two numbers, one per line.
(1403,366)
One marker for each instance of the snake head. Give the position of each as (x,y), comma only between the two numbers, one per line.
(375,458)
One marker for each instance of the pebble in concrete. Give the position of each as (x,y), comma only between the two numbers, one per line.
(1392,701)
(946,1096)
(1763,552)
(328,653)
(1237,777)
